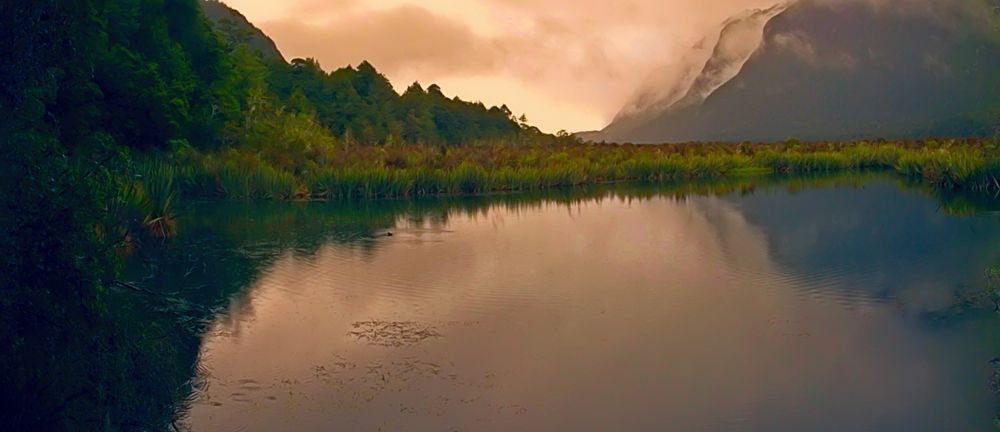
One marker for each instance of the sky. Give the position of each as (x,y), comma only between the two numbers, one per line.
(566,64)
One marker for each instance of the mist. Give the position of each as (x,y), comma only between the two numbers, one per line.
(567,64)
(719,56)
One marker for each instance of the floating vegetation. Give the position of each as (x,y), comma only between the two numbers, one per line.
(392,333)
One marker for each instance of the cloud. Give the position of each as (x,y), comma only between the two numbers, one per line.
(721,55)
(586,54)
(406,37)
(799,44)
(712,62)
(554,59)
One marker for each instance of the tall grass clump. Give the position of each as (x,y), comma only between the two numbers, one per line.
(864,156)
(793,162)
(952,168)
(261,182)
(143,203)
(467,178)
(158,190)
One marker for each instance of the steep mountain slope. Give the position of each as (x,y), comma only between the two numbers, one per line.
(824,70)
(237,29)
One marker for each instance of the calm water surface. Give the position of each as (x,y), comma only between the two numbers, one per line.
(828,308)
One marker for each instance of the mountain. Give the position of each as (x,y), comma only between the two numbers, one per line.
(821,70)
(237,29)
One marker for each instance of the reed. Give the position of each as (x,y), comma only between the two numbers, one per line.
(157,191)
(378,172)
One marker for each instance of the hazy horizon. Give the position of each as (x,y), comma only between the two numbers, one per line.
(565,64)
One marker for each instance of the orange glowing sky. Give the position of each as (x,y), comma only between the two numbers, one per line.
(567,64)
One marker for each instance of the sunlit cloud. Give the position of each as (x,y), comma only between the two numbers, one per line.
(567,64)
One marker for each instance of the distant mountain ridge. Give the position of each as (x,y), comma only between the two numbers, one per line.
(819,70)
(238,29)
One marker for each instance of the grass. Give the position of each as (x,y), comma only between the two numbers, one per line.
(378,172)
(142,205)
(156,192)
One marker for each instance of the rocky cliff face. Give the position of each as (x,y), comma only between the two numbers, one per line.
(818,69)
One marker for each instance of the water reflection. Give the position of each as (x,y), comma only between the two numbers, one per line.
(759,307)
(894,243)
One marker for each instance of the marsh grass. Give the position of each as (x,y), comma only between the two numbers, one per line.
(262,182)
(155,195)
(143,204)
(379,172)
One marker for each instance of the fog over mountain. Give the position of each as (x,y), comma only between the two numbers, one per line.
(823,69)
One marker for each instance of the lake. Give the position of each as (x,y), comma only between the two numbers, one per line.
(839,304)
